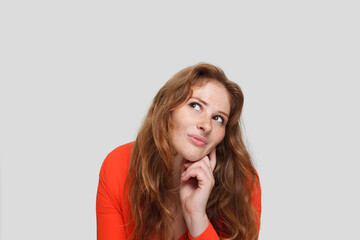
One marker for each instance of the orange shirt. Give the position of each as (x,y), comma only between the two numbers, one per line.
(112,211)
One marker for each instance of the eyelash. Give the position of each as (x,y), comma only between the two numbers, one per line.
(193,104)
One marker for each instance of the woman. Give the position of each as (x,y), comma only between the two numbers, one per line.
(188,175)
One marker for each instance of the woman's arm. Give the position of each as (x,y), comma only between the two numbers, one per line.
(210,233)
(197,181)
(194,195)
(111,210)
(110,223)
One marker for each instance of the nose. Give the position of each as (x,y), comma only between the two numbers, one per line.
(204,124)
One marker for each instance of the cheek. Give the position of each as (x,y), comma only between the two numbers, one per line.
(175,133)
(220,136)
(174,124)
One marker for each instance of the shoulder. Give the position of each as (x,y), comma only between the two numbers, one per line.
(112,180)
(118,158)
(115,167)
(121,151)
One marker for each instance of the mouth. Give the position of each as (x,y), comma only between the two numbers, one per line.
(197,140)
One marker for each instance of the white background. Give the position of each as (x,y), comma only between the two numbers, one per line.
(77,78)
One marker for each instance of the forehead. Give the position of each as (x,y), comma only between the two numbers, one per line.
(214,94)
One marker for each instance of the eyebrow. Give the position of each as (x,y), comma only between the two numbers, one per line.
(206,104)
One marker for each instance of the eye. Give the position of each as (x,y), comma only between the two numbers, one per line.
(219,119)
(195,106)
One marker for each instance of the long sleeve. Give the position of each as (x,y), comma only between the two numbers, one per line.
(109,218)
(111,212)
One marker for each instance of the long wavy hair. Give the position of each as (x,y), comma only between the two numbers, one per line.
(229,207)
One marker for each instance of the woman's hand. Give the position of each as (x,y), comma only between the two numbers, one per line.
(196,183)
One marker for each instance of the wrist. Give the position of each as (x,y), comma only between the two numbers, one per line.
(196,224)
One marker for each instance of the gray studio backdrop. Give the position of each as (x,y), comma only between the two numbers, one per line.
(77,78)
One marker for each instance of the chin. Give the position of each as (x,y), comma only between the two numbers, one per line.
(194,156)
(191,152)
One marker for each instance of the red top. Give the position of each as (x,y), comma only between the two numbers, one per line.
(112,211)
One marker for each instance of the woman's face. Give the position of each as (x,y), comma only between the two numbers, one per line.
(199,124)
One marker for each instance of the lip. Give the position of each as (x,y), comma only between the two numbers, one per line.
(198,140)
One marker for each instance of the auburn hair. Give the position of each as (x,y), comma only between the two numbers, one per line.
(229,207)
